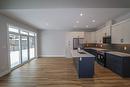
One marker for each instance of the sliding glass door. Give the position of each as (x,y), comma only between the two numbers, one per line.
(31,47)
(22,46)
(14,40)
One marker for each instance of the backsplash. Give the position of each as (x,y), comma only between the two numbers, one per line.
(90,45)
(125,48)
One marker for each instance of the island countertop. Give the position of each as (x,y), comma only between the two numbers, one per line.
(97,49)
(83,53)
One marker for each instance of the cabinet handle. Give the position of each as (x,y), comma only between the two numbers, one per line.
(80,59)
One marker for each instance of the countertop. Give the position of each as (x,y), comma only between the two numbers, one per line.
(75,53)
(97,49)
(119,54)
(110,52)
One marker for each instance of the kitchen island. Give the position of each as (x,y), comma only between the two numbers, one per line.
(84,63)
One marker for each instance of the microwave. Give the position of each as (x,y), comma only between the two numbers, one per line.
(107,40)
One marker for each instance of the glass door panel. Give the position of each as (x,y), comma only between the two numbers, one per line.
(24,46)
(14,42)
(32,47)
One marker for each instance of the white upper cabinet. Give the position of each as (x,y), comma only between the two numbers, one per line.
(105,31)
(99,36)
(90,37)
(93,37)
(77,34)
(121,32)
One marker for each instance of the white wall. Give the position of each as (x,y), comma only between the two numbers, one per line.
(56,43)
(121,31)
(4,53)
(52,43)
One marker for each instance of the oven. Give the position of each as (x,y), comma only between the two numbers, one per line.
(101,58)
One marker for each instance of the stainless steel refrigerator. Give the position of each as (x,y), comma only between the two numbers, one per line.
(77,42)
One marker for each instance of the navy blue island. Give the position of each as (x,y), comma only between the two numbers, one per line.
(84,63)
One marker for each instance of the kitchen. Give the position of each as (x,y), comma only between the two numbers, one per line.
(110,46)
(64,43)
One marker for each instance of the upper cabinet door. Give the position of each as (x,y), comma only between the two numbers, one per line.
(108,31)
(121,32)
(93,37)
(105,31)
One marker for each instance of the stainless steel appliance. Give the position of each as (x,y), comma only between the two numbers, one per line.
(77,42)
(101,57)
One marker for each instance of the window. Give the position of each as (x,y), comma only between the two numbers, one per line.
(23,32)
(12,29)
(31,34)
(14,41)
(32,47)
(22,46)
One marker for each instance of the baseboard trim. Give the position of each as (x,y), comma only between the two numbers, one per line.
(4,73)
(52,56)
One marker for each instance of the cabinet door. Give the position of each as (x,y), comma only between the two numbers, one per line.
(93,37)
(86,67)
(108,31)
(117,64)
(99,36)
(114,63)
(109,61)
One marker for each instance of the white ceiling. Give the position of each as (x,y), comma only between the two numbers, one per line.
(36,4)
(65,18)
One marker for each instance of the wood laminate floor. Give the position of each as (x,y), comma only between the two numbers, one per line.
(59,72)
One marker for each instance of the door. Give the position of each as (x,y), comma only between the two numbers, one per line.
(24,48)
(14,44)
(31,47)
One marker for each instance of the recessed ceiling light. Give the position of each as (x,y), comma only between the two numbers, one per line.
(93,21)
(86,26)
(81,14)
(77,22)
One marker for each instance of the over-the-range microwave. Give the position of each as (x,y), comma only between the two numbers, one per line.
(107,40)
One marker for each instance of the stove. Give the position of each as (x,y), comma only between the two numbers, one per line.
(101,57)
